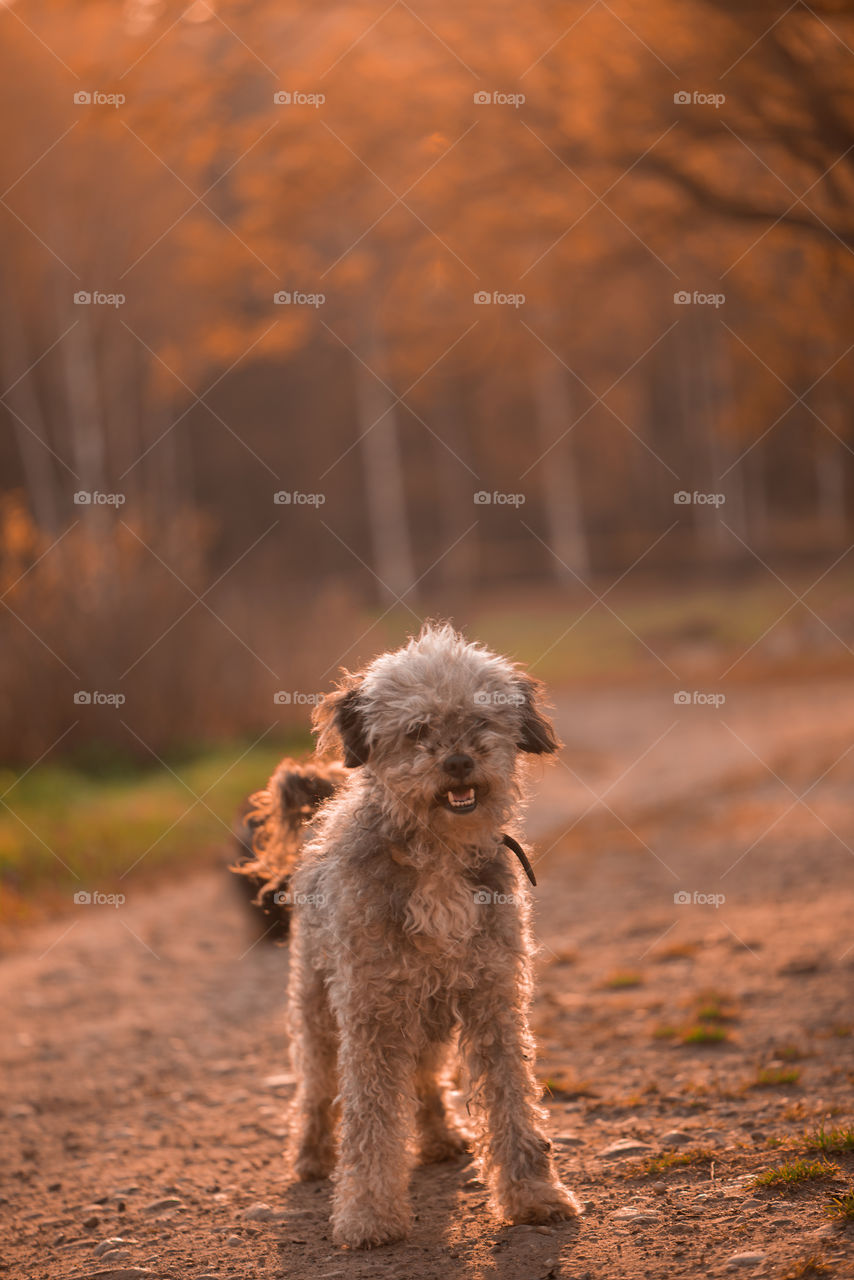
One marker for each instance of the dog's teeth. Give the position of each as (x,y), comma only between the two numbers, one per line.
(461,798)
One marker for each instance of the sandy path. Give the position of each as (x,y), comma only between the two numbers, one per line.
(144,1060)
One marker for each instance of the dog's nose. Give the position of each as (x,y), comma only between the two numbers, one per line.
(458,765)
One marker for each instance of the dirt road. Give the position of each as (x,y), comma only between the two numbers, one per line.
(145,1069)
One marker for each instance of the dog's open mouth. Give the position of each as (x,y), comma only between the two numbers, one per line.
(459,799)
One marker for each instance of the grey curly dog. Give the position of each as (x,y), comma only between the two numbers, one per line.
(410,937)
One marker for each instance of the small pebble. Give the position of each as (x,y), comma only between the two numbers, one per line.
(160,1206)
(625,1147)
(746,1260)
(635,1215)
(233,1240)
(263,1213)
(105,1246)
(676,1138)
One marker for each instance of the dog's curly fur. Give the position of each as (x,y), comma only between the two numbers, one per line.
(269,832)
(410,929)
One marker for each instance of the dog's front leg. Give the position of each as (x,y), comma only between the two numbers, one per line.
(377,1094)
(515,1153)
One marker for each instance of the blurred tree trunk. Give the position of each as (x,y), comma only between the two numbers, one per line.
(39,473)
(82,402)
(830,488)
(384,478)
(456,487)
(758,517)
(561,489)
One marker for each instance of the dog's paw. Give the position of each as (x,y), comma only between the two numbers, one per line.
(436,1147)
(313,1166)
(539,1201)
(363,1226)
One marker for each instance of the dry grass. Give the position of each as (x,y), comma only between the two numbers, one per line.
(811,1268)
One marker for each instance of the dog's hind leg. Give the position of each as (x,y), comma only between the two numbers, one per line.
(313,1054)
(438,1138)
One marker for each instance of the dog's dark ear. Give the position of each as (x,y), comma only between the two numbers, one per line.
(537,734)
(340,718)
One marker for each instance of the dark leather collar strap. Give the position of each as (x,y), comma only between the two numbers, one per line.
(520,854)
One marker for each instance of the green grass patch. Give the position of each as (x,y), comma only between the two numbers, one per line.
(563,1088)
(794,1172)
(702,1033)
(841,1208)
(673,1160)
(621,979)
(822,1139)
(773,1077)
(67,829)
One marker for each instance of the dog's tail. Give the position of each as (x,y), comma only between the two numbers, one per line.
(268,831)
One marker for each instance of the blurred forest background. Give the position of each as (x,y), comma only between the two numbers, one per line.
(242,249)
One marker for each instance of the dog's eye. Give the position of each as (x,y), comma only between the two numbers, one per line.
(417,732)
